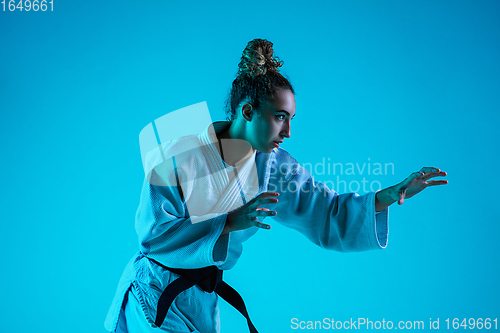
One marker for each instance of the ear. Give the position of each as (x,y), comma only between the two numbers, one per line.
(247,111)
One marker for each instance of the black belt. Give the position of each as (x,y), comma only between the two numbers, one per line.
(207,278)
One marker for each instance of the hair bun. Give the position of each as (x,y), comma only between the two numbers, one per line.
(257,59)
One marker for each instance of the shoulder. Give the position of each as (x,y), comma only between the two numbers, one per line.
(284,163)
(283,156)
(181,155)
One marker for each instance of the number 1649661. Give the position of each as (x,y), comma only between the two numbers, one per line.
(28,5)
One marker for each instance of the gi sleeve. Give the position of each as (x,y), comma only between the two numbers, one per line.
(169,235)
(342,222)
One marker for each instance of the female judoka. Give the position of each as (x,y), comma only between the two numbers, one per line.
(208,193)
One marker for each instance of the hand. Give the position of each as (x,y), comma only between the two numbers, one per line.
(246,216)
(417,182)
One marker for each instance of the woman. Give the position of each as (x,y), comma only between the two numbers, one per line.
(206,194)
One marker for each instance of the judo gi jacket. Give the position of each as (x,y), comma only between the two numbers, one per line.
(183,209)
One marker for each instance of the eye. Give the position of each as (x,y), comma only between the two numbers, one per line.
(280,117)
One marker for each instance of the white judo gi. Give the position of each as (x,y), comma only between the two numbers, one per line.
(176,238)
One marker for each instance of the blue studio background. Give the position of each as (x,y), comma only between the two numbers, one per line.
(412,83)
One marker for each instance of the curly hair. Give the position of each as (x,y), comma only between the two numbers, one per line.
(258,77)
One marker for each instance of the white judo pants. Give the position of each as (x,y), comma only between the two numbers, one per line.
(133,320)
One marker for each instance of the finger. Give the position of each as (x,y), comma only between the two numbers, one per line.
(437,182)
(267,194)
(265,201)
(264,213)
(259,202)
(430,172)
(402,195)
(263,209)
(429,169)
(415,175)
(263,196)
(261,225)
(434,174)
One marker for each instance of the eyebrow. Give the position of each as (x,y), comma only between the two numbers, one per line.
(287,113)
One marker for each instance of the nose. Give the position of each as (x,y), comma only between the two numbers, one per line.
(286,129)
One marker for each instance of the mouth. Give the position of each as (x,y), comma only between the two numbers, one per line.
(277,143)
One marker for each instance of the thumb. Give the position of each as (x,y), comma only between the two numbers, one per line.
(402,195)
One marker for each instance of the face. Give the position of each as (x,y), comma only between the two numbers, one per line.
(270,129)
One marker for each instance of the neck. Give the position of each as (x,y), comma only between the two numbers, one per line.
(235,149)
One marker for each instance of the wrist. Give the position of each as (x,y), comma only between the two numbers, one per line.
(387,195)
(385,198)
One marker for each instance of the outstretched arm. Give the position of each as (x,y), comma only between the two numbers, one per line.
(412,185)
(342,222)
